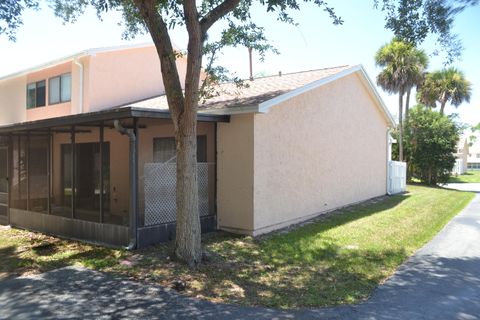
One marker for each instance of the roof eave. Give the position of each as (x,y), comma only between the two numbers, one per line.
(84,53)
(99,116)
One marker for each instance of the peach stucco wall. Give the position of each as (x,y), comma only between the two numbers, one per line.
(322,150)
(49,111)
(124,76)
(110,79)
(235,174)
(13,100)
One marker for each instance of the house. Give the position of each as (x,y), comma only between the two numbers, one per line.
(461,157)
(87,148)
(473,159)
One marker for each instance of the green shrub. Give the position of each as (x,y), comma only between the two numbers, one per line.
(430,141)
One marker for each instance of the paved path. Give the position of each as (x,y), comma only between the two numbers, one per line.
(441,281)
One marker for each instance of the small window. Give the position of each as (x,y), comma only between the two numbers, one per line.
(59,89)
(36,93)
(164,149)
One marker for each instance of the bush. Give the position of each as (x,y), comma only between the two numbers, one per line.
(430,141)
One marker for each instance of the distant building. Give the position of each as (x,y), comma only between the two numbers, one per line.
(473,159)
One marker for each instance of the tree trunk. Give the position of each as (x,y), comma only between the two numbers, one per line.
(407,104)
(188,238)
(188,230)
(400,125)
(442,106)
(183,109)
(443,102)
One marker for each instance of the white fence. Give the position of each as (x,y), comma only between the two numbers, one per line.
(397,177)
(459,167)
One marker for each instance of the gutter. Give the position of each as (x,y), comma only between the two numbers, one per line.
(80,98)
(133,182)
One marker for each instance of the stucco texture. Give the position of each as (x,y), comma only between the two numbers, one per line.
(235,174)
(315,152)
(124,76)
(321,150)
(13,100)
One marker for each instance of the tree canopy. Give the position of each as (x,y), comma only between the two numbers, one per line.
(403,67)
(442,86)
(414,20)
(11,15)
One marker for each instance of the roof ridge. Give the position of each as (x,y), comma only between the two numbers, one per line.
(298,72)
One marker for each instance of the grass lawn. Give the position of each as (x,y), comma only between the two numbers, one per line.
(468,177)
(337,260)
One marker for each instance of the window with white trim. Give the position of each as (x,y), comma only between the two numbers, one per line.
(60,89)
(36,94)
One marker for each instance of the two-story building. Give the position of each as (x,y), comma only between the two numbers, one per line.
(87,148)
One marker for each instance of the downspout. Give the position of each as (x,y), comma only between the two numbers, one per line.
(80,97)
(133,185)
(389,158)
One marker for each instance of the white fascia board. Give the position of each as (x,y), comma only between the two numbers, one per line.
(230,111)
(266,105)
(45,65)
(372,88)
(94,51)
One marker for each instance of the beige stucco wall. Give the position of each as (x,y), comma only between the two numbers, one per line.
(123,76)
(321,150)
(13,100)
(235,174)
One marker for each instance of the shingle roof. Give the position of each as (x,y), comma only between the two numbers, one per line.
(230,97)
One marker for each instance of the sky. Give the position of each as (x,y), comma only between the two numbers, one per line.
(314,43)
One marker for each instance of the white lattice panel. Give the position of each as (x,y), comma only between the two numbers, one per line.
(160,200)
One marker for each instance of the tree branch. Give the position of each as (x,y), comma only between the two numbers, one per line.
(217,13)
(159,33)
(194,56)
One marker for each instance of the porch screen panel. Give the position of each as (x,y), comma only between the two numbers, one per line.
(38,173)
(62,175)
(3,181)
(87,179)
(19,173)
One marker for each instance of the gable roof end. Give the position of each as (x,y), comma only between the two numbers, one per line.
(265,106)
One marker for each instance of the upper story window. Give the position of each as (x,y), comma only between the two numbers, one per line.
(60,89)
(36,94)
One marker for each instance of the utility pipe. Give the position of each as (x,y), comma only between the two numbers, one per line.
(133,184)
(80,97)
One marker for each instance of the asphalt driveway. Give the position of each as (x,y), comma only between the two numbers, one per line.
(441,281)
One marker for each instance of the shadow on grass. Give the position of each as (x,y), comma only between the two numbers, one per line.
(467,177)
(286,270)
(48,255)
(90,295)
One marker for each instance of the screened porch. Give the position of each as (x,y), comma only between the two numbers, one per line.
(79,177)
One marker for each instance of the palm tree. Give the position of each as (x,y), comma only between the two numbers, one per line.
(403,68)
(447,85)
